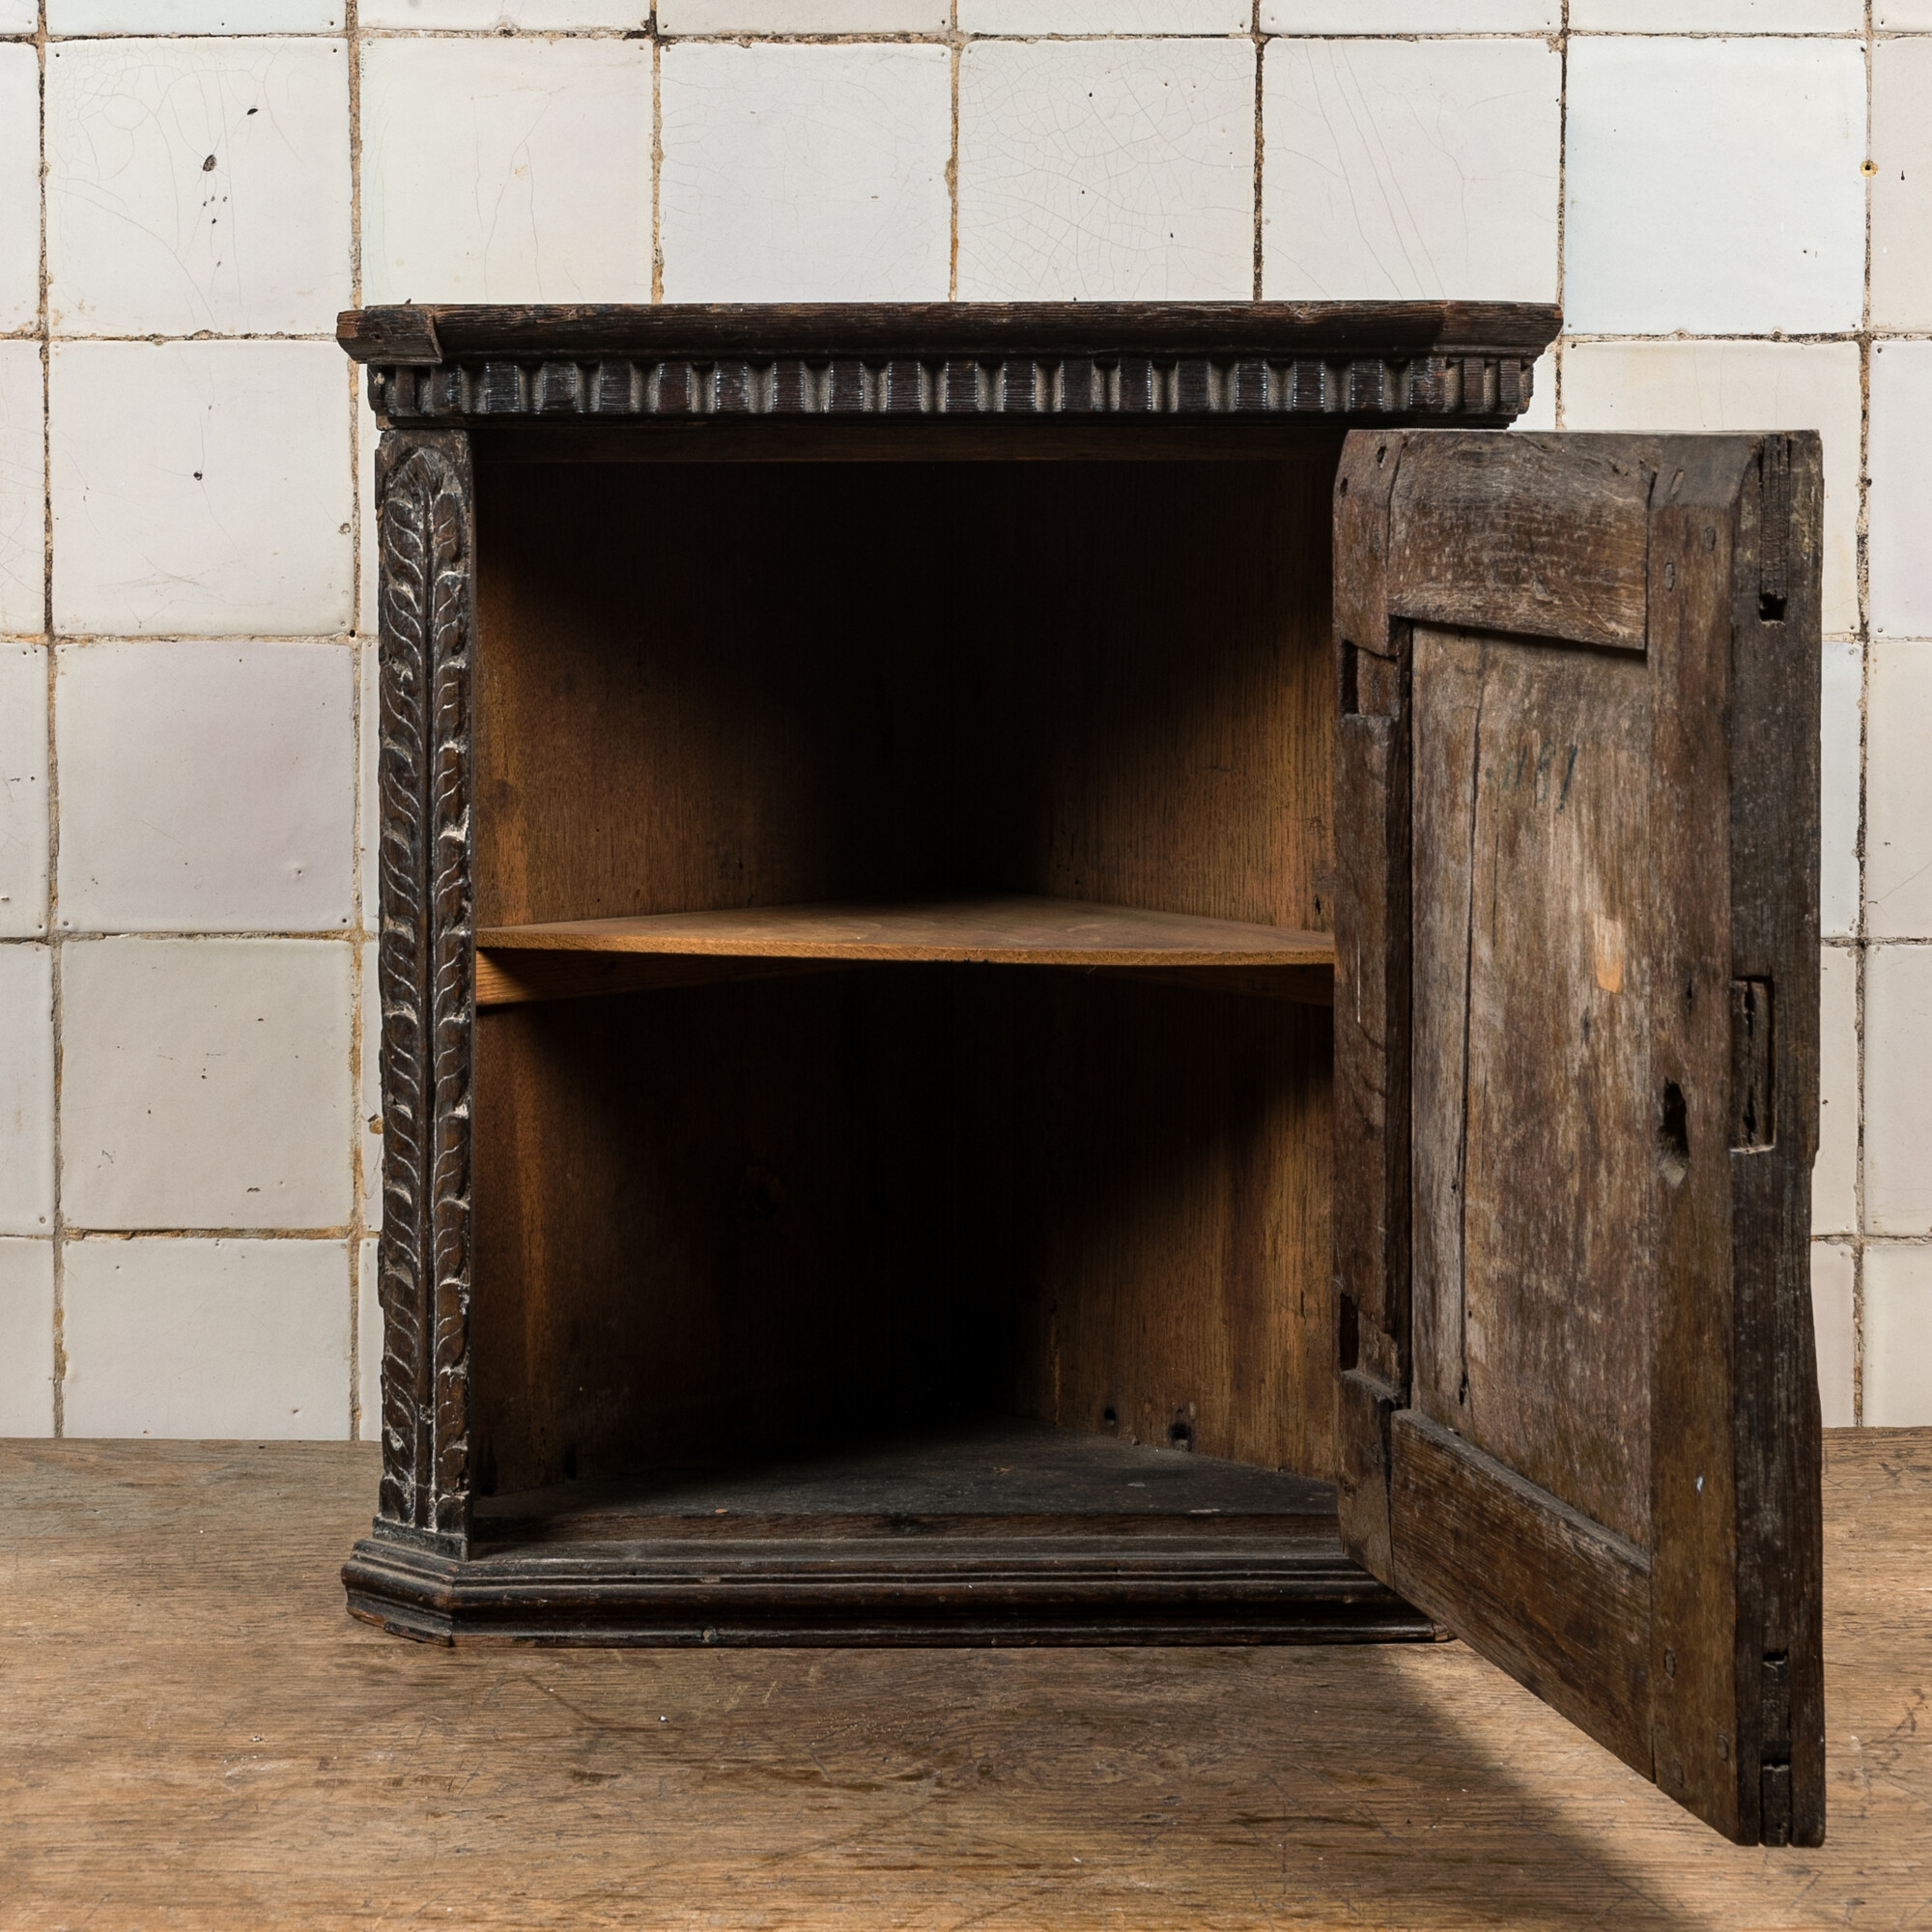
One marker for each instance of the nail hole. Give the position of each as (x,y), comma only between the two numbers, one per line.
(1673,1136)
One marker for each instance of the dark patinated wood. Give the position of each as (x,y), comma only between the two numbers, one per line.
(198,1735)
(1600,655)
(426,523)
(1079,361)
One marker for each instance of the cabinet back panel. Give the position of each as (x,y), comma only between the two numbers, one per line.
(702,685)
(742,1217)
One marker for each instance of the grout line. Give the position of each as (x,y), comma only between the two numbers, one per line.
(1562,202)
(1861,925)
(657,170)
(957,42)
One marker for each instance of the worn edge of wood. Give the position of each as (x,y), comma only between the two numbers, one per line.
(426,524)
(1559,1602)
(1075,1590)
(656,331)
(1371,1190)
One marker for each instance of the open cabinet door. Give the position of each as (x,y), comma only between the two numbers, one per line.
(1576,1039)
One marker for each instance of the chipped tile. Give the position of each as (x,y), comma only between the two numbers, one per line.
(804,173)
(200,1338)
(1106,170)
(1715,185)
(200,487)
(197,185)
(506,170)
(205,1083)
(1401,169)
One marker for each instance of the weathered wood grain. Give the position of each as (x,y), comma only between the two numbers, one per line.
(199,1740)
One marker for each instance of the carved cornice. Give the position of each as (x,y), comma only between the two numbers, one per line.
(425,519)
(1337,363)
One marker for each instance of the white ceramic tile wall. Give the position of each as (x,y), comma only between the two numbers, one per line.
(23,790)
(23,500)
(804,173)
(201,486)
(1693,207)
(1901,489)
(1833,1298)
(1410,168)
(205,786)
(210,551)
(26,1089)
(206,1338)
(205,1084)
(1898,1335)
(26,1338)
(1106,170)
(19,185)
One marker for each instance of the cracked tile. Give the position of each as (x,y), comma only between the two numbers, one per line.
(205,1083)
(1730,170)
(206,786)
(1411,169)
(1106,170)
(207,1338)
(200,487)
(498,170)
(804,173)
(197,185)
(26,1338)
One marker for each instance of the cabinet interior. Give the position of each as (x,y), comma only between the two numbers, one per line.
(831,1235)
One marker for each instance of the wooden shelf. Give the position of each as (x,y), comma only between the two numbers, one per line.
(577,957)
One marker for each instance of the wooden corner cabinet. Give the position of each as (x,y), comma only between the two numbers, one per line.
(1100,974)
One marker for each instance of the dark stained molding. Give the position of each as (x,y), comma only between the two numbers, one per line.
(1343,362)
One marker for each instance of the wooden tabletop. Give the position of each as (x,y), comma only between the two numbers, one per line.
(195,1735)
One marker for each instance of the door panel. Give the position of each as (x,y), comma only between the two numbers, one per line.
(1576,1045)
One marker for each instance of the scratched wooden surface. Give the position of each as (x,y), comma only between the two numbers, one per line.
(193,1734)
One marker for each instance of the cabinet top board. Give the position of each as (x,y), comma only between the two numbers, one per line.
(1338,363)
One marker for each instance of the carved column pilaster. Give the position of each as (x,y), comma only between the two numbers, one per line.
(426,519)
